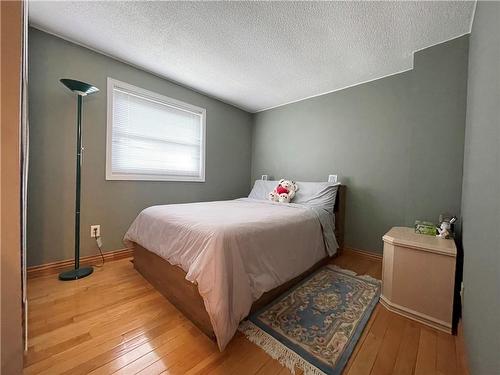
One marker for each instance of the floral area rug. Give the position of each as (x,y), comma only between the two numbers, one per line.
(315,326)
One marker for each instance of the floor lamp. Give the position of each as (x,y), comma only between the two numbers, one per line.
(81,89)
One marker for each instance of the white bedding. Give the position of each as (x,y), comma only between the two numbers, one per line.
(235,250)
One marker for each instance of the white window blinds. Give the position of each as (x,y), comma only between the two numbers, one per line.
(152,137)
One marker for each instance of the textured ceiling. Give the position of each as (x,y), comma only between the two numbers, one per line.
(258,55)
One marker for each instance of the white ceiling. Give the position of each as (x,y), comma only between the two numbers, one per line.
(259,55)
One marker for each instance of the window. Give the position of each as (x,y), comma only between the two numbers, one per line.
(153,137)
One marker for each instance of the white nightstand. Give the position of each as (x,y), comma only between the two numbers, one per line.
(418,277)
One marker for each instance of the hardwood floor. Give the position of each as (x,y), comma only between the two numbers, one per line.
(115,322)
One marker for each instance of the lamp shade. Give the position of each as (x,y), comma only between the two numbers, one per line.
(78,87)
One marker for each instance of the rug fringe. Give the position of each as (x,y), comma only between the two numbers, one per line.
(277,350)
(341,270)
(369,278)
(352,273)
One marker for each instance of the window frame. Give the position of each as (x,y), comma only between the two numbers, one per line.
(114,83)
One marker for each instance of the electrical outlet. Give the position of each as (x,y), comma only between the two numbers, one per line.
(93,229)
(332,178)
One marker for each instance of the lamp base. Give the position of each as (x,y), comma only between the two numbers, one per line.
(76,274)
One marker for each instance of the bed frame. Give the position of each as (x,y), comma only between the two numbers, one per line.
(171,280)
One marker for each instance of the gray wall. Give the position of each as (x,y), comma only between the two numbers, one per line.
(397,143)
(113,204)
(481,194)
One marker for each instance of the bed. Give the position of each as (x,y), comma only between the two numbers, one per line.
(219,261)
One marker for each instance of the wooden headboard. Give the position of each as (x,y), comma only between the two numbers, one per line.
(339,211)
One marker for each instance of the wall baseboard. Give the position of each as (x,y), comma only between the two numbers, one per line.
(364,253)
(56,267)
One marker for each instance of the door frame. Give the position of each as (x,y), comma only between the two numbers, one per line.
(11,330)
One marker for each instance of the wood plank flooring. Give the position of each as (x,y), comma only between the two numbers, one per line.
(114,322)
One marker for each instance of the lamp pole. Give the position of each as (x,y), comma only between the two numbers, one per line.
(78,181)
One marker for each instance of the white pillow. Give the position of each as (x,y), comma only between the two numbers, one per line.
(314,194)
(317,194)
(262,188)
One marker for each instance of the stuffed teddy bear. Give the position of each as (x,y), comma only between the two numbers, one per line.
(444,229)
(284,192)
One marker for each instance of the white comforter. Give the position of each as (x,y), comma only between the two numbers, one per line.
(235,250)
